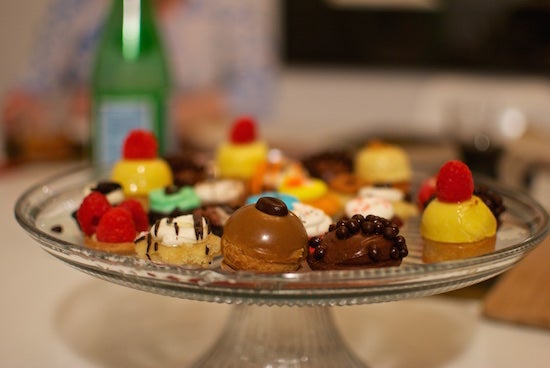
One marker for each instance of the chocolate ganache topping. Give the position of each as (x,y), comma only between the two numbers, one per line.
(369,241)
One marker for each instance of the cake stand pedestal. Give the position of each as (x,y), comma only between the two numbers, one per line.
(273,336)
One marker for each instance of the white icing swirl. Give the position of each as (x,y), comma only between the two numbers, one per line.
(219,191)
(315,220)
(174,232)
(390,194)
(370,206)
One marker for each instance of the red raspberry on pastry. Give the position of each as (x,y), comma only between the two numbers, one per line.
(454,182)
(140,145)
(244,130)
(92,208)
(139,215)
(426,192)
(116,226)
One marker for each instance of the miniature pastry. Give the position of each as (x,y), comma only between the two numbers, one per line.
(492,199)
(140,170)
(110,229)
(359,242)
(239,157)
(186,170)
(172,201)
(329,165)
(184,240)
(311,191)
(228,192)
(403,208)
(456,224)
(316,222)
(264,237)
(382,164)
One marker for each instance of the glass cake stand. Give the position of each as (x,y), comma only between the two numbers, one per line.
(281,320)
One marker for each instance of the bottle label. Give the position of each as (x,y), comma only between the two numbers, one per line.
(115,119)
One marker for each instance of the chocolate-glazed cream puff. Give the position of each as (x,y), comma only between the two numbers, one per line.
(264,237)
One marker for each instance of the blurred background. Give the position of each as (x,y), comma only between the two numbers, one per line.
(445,78)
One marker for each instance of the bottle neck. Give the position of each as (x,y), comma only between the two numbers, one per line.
(135,22)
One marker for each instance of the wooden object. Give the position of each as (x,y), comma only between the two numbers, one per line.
(522,295)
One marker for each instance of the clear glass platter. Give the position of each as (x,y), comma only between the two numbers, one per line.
(50,203)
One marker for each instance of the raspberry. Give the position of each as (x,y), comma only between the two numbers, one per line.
(454,182)
(426,192)
(138,214)
(140,144)
(93,206)
(116,226)
(244,130)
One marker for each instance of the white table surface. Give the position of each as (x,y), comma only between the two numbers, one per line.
(55,316)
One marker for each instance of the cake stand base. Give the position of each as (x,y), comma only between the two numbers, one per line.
(264,336)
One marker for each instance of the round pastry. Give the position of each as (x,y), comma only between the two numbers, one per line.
(185,170)
(172,201)
(456,224)
(329,165)
(381,163)
(402,207)
(316,222)
(184,240)
(359,242)
(140,170)
(239,157)
(264,237)
(230,192)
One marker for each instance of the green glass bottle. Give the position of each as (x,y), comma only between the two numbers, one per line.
(130,80)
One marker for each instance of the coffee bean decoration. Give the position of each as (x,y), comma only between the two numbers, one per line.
(272,206)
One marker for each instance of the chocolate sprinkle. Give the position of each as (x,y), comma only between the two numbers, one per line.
(57,229)
(272,206)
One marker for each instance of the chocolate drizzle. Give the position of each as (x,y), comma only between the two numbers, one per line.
(197,224)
